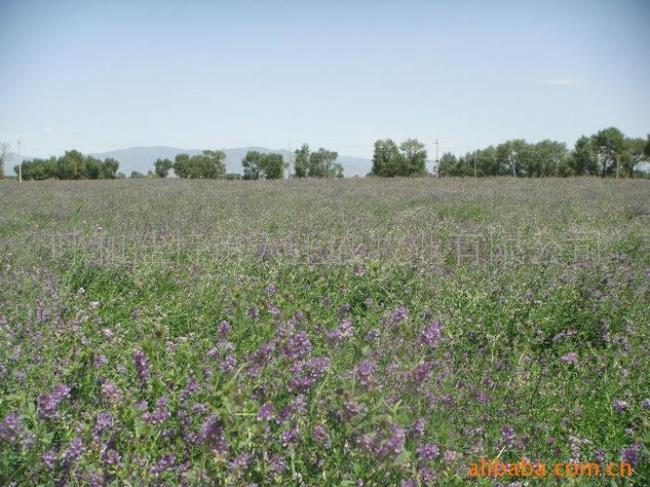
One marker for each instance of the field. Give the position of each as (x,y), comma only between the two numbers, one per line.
(341,332)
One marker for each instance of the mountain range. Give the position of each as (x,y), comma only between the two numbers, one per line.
(141,159)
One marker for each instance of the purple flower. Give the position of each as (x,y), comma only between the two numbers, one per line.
(298,346)
(351,409)
(365,371)
(289,436)
(277,465)
(49,458)
(103,422)
(228,364)
(599,455)
(620,406)
(320,435)
(265,412)
(450,456)
(408,483)
(418,428)
(167,462)
(9,427)
(398,315)
(420,372)
(224,328)
(631,454)
(159,415)
(507,436)
(112,457)
(74,451)
(141,365)
(252,313)
(271,289)
(111,393)
(372,335)
(99,361)
(359,271)
(49,403)
(569,358)
(394,445)
(212,434)
(428,451)
(430,336)
(240,463)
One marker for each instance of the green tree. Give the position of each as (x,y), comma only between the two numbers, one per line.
(633,153)
(181,165)
(301,162)
(387,160)
(608,146)
(207,165)
(546,158)
(514,156)
(583,160)
(450,165)
(137,175)
(414,158)
(162,167)
(212,164)
(252,164)
(258,165)
(322,165)
(273,166)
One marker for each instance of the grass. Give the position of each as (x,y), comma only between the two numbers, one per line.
(334,292)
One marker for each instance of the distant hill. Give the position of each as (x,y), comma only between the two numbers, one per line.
(141,159)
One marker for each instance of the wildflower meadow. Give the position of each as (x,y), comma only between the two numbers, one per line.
(341,332)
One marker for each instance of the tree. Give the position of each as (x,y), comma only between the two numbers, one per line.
(181,165)
(450,165)
(322,165)
(252,164)
(213,165)
(258,165)
(4,153)
(301,162)
(414,158)
(273,166)
(162,167)
(608,146)
(633,153)
(515,157)
(583,159)
(207,165)
(319,164)
(387,160)
(546,158)
(137,175)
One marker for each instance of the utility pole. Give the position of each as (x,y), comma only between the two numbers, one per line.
(437,161)
(20,165)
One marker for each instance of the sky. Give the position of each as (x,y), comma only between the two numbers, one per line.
(98,76)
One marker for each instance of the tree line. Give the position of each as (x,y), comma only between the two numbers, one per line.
(255,165)
(608,152)
(71,165)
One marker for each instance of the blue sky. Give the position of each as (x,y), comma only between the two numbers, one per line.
(105,75)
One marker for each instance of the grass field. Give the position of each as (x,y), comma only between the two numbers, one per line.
(340,332)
